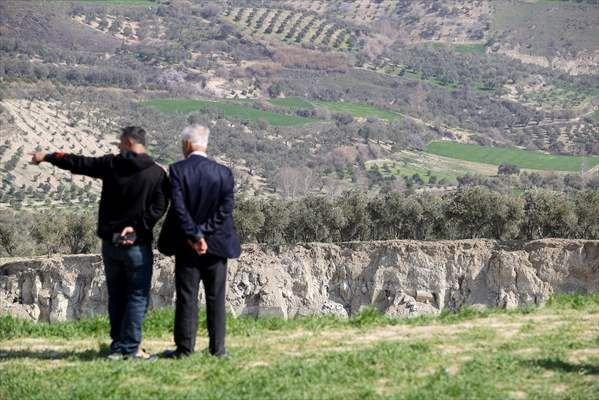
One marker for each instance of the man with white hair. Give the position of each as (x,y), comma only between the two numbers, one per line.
(199,232)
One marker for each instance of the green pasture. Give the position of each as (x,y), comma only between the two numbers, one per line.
(228,109)
(498,155)
(357,110)
(292,102)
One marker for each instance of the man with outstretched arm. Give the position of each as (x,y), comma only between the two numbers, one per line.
(199,232)
(134,197)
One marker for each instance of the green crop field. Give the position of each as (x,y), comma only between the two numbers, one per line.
(292,102)
(521,158)
(238,109)
(228,109)
(358,110)
(478,48)
(538,353)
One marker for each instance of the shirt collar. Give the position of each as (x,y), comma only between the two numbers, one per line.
(197,153)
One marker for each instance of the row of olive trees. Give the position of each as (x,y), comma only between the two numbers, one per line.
(466,213)
(27,233)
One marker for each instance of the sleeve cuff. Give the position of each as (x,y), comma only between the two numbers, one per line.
(52,156)
(197,236)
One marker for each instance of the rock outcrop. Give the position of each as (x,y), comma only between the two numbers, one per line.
(399,278)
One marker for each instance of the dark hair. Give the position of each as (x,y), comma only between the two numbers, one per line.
(134,133)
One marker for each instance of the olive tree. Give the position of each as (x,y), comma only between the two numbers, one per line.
(548,214)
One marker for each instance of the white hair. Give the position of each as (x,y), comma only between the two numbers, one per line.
(197,134)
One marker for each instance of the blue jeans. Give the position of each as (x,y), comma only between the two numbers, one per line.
(128,279)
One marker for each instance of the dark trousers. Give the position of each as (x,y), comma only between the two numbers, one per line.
(128,279)
(212,271)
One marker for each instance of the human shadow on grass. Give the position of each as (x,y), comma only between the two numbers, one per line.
(7,355)
(560,365)
(49,354)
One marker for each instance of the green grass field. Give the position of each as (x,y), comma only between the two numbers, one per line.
(237,109)
(358,110)
(292,102)
(478,48)
(410,168)
(521,158)
(536,353)
(228,109)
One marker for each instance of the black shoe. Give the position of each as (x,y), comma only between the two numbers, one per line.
(222,354)
(174,354)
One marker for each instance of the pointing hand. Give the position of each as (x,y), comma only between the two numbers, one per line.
(37,157)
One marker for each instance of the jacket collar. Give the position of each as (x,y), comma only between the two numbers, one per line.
(197,153)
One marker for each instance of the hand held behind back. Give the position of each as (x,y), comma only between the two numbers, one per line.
(200,247)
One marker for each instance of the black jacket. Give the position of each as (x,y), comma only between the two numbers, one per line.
(134,190)
(202,207)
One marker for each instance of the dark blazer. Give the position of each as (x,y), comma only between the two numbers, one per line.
(202,195)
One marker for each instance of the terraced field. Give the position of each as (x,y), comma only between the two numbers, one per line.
(45,126)
(294,27)
(359,12)
(521,158)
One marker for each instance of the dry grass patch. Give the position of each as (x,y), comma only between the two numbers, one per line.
(584,355)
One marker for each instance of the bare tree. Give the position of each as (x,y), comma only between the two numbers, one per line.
(295,182)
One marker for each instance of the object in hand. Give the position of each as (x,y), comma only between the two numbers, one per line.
(119,239)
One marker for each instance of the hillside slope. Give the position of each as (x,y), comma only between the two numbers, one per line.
(325,87)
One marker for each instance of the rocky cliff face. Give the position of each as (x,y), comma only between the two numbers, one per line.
(400,278)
